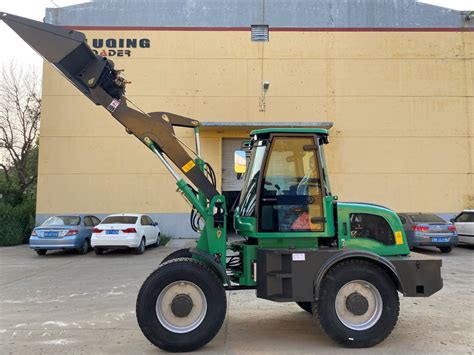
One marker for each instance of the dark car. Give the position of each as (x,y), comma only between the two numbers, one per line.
(427,229)
(64,232)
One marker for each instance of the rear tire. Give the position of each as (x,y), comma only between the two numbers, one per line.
(445,250)
(307,306)
(358,304)
(141,248)
(180,253)
(41,251)
(196,320)
(98,251)
(85,247)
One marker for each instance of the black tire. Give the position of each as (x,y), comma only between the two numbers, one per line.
(84,249)
(180,253)
(41,251)
(141,248)
(98,251)
(356,271)
(157,243)
(186,270)
(306,306)
(445,250)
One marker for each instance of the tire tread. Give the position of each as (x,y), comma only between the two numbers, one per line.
(331,274)
(198,342)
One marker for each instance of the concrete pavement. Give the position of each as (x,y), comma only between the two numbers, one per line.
(66,303)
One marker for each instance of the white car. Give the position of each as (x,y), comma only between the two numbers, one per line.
(464,223)
(126,230)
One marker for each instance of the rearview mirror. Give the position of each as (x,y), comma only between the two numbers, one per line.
(246,145)
(240,162)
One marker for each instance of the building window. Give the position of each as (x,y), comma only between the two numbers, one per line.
(260,33)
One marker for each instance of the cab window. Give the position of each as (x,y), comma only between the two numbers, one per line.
(364,225)
(290,195)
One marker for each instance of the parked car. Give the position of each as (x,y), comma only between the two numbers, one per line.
(427,229)
(64,232)
(464,223)
(125,230)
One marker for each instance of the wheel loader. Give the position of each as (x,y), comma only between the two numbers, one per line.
(344,262)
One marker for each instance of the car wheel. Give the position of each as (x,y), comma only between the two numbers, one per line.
(98,251)
(358,304)
(85,247)
(306,306)
(141,248)
(181,306)
(41,251)
(157,243)
(446,250)
(177,254)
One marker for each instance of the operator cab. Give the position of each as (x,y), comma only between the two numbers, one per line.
(286,180)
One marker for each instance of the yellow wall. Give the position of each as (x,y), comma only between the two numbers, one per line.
(402,106)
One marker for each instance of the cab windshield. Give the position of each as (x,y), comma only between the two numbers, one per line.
(249,190)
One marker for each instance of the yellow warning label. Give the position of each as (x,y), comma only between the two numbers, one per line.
(398,238)
(188,166)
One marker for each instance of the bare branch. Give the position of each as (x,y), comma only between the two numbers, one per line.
(20,110)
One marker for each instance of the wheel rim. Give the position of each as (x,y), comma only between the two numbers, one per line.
(358,305)
(181,307)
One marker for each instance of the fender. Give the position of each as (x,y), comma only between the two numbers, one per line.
(361,255)
(215,265)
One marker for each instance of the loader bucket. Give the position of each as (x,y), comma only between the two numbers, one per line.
(66,49)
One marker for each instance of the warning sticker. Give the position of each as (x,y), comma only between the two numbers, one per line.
(298,256)
(188,166)
(398,238)
(113,105)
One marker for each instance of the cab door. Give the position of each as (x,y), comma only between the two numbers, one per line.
(291,198)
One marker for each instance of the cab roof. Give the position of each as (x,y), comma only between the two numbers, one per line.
(320,131)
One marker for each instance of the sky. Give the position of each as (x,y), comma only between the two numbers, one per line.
(21,53)
(19,50)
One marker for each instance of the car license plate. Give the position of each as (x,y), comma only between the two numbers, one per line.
(111,232)
(440,240)
(50,234)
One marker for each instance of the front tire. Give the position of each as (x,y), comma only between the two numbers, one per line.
(181,306)
(41,251)
(98,251)
(446,250)
(180,253)
(358,304)
(157,243)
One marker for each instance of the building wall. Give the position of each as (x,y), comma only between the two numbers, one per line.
(401,102)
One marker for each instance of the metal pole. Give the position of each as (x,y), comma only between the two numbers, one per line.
(198,141)
(164,161)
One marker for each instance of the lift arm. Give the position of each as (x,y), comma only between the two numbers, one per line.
(96,78)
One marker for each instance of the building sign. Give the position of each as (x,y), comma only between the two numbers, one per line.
(118,47)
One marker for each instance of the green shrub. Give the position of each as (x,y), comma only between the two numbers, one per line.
(164,239)
(16,222)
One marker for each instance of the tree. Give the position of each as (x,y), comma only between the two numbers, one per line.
(20,109)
